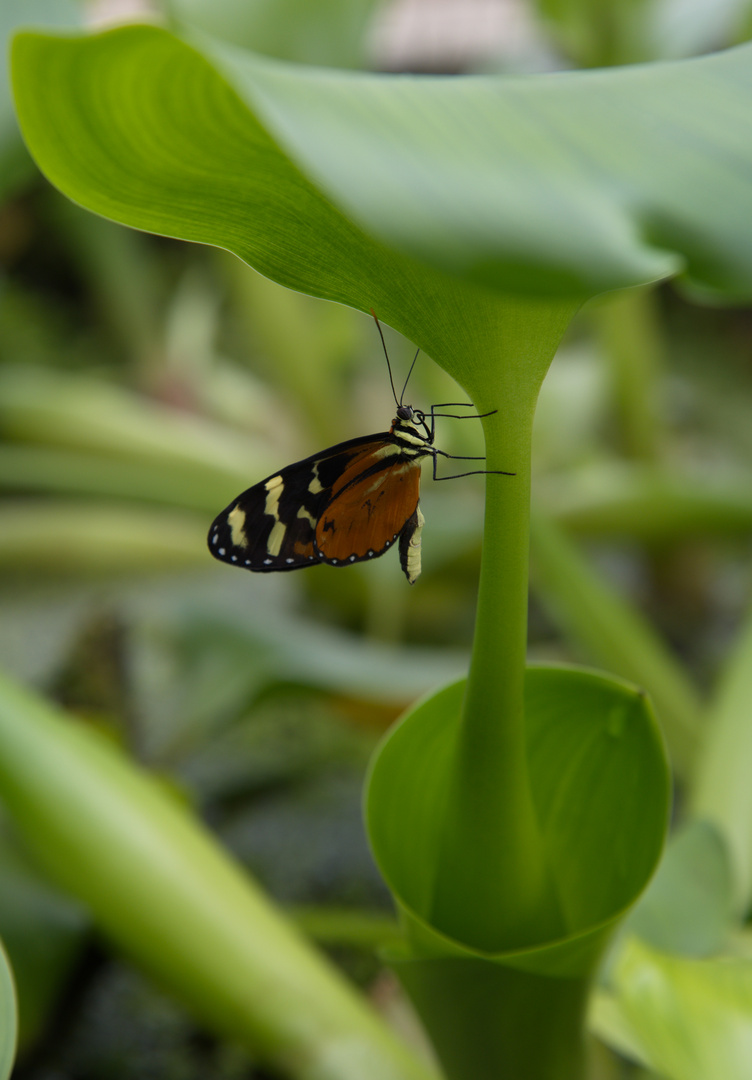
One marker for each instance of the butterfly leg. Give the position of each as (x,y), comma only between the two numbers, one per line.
(453,416)
(462,457)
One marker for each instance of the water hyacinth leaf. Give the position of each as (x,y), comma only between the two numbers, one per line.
(567,184)
(603,727)
(553,185)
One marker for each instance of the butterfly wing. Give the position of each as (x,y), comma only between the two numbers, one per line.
(369,510)
(278,523)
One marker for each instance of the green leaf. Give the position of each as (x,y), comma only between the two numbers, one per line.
(601,791)
(160,887)
(617,498)
(86,414)
(722,791)
(687,1019)
(553,185)
(8,1017)
(90,539)
(687,907)
(617,775)
(571,183)
(184,156)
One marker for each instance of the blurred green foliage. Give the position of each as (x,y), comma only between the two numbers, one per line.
(143,383)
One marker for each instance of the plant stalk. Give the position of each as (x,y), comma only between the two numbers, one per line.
(490,818)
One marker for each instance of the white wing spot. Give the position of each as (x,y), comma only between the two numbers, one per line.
(234,558)
(387,544)
(352,558)
(215,538)
(334,561)
(321,554)
(267,562)
(221,551)
(370,553)
(247,562)
(289,560)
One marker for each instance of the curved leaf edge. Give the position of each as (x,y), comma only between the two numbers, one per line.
(570,955)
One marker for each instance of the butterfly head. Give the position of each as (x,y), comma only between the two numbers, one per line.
(408,420)
(408,413)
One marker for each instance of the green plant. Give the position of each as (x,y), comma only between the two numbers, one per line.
(518,816)
(8,1019)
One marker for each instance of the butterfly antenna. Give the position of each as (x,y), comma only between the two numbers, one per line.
(386,354)
(407,380)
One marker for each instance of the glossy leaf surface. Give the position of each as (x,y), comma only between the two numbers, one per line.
(571,183)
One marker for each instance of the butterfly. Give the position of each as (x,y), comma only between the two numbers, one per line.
(348,504)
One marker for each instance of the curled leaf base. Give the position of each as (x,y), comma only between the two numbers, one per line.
(601,790)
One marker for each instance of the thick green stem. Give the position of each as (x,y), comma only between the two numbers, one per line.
(490,817)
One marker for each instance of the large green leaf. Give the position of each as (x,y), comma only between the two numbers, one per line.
(570,183)
(574,183)
(163,143)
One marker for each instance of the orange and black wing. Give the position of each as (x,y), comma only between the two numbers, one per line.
(348,504)
(369,510)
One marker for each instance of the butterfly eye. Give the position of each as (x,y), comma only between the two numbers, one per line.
(405,412)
